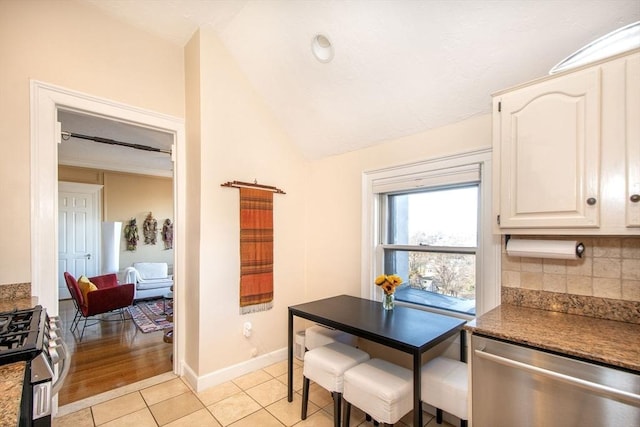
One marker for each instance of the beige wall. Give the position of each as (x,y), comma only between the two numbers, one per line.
(128,196)
(238,139)
(72,45)
(191,313)
(81,175)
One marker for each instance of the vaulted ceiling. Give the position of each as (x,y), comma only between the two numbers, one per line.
(399,67)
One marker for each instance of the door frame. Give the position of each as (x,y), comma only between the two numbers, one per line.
(94,191)
(46,100)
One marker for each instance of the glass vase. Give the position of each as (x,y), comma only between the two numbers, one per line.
(388,301)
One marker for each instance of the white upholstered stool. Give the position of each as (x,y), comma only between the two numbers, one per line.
(379,388)
(326,366)
(317,336)
(445,385)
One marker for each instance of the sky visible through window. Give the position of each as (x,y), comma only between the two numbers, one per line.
(450,214)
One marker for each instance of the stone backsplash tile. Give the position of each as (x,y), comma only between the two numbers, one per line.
(579,285)
(631,290)
(554,282)
(606,264)
(15,291)
(631,269)
(608,273)
(607,267)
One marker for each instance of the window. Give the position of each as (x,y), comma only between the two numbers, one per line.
(430,223)
(431,239)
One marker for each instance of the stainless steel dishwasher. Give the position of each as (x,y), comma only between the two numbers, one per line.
(513,385)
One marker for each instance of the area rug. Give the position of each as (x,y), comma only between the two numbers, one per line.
(149,316)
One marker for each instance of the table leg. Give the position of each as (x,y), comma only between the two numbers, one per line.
(290,360)
(417,403)
(463,346)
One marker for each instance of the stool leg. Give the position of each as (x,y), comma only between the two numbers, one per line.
(305,397)
(337,406)
(463,423)
(346,414)
(438,416)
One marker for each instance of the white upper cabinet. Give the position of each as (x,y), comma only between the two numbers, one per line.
(633,141)
(567,152)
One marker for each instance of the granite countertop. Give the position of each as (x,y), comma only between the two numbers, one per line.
(605,341)
(18,303)
(11,377)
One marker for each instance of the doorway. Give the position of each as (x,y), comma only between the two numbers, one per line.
(46,101)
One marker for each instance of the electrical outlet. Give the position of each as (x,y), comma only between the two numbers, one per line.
(246,331)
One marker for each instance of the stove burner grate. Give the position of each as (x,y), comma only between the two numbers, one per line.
(20,337)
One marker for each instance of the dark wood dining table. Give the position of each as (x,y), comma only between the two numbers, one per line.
(407,329)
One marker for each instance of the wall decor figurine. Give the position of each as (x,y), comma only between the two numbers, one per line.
(167,234)
(150,230)
(131,235)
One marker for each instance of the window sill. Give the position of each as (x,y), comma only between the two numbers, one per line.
(418,299)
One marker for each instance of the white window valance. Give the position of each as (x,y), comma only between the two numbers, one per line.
(464,174)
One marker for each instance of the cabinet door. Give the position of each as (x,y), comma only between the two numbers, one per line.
(633,141)
(549,145)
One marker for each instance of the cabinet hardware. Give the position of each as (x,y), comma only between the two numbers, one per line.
(635,198)
(591,201)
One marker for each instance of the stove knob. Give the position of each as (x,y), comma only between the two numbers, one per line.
(53,354)
(54,323)
(56,345)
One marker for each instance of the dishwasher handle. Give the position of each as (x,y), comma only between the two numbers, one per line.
(620,395)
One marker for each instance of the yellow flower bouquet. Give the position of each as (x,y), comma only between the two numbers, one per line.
(388,284)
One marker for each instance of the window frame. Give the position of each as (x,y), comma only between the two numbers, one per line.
(386,225)
(488,247)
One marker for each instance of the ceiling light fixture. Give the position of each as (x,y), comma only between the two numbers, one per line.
(322,48)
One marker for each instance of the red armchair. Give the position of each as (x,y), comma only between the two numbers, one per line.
(109,296)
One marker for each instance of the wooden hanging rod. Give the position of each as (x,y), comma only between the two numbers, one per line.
(238,184)
(67,135)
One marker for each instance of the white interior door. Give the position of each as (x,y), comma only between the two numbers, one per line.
(78,232)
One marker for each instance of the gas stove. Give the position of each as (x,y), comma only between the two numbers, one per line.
(31,336)
(20,334)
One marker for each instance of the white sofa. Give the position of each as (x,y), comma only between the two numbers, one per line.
(151,279)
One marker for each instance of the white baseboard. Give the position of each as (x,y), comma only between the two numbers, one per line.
(227,374)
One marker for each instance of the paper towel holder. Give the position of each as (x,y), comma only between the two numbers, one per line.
(580,248)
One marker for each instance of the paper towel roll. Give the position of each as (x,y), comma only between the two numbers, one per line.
(559,249)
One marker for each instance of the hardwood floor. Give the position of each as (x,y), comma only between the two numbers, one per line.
(112,354)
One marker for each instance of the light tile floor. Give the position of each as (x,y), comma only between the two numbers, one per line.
(255,399)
